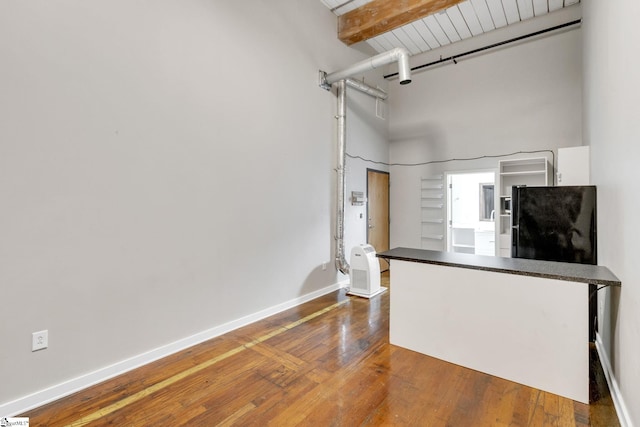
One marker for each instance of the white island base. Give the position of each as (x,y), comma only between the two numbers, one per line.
(530,330)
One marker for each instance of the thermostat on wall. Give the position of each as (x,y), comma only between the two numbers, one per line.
(357,198)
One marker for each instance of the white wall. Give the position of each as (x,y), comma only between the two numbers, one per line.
(521,98)
(367,138)
(612,128)
(165,168)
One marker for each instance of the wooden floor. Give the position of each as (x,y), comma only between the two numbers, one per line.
(325,363)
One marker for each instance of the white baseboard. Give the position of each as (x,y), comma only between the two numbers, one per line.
(621,409)
(50,394)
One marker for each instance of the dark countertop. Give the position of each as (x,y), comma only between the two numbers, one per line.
(592,274)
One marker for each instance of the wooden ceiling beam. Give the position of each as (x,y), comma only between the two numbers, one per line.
(380,16)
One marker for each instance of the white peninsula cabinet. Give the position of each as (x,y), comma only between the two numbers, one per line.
(532,172)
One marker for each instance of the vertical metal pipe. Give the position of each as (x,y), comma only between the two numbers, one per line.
(404,70)
(341,262)
(326,80)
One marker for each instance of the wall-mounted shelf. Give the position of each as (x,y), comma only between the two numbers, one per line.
(463,246)
(523,173)
(434,237)
(433,221)
(432,214)
(433,196)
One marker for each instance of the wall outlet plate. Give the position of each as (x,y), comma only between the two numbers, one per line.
(39,340)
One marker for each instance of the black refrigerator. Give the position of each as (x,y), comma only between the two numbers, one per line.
(556,224)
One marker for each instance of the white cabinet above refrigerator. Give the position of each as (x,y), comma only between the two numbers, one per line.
(573,166)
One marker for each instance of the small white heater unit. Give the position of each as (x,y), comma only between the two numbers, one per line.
(365,272)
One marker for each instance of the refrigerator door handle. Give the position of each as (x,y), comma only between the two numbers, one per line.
(515,220)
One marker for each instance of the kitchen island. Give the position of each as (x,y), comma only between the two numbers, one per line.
(521,320)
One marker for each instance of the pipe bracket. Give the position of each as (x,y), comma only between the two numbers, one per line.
(322,80)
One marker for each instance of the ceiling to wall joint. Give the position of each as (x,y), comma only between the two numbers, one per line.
(424,25)
(380,16)
(454,58)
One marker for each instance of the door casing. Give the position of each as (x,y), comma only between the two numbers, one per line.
(378,212)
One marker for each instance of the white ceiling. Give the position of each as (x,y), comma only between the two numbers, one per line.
(465,20)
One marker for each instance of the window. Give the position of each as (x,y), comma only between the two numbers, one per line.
(487,202)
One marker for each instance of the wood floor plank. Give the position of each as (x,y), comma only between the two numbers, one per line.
(536,416)
(499,398)
(521,406)
(566,414)
(326,362)
(551,409)
(268,407)
(471,392)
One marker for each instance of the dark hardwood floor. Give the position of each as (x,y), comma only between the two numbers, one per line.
(325,363)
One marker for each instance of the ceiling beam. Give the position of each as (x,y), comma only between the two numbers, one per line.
(380,16)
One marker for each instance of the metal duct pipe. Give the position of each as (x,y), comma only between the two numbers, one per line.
(341,262)
(342,78)
(398,54)
(365,88)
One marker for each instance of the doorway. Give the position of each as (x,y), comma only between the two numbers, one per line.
(378,213)
(471,212)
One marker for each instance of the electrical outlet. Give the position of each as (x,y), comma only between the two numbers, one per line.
(39,340)
(324,266)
